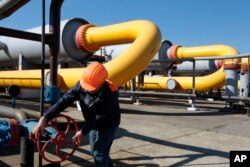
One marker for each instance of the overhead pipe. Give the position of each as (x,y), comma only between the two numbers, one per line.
(7,7)
(144,35)
(19,34)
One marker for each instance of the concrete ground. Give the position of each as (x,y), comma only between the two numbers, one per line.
(162,132)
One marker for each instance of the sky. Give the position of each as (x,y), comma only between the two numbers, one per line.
(184,22)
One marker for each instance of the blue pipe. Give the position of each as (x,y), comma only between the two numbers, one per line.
(26,128)
(28,125)
(5,132)
(52,94)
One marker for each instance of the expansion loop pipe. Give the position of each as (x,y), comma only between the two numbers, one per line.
(146,40)
(144,35)
(203,83)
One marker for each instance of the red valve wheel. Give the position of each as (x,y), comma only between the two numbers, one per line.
(55,144)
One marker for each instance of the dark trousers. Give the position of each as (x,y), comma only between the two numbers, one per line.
(100,144)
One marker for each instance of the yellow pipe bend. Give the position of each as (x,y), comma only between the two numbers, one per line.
(203,83)
(146,38)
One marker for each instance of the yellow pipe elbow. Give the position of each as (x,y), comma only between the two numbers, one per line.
(146,38)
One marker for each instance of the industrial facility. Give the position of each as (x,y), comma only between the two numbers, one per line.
(156,78)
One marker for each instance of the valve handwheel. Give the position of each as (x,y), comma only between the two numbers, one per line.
(55,144)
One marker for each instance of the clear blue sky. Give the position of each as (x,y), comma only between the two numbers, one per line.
(184,22)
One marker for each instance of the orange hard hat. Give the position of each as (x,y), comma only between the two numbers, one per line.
(94,76)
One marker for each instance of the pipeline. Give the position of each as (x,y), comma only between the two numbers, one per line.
(11,130)
(145,38)
(27,146)
(203,83)
(67,50)
(161,62)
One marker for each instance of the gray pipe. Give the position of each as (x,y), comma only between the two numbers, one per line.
(7,7)
(231,82)
(244,83)
(13,113)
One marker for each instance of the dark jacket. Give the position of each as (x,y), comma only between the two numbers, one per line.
(100,110)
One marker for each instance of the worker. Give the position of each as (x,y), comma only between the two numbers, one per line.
(98,99)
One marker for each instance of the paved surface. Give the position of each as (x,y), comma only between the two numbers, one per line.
(162,132)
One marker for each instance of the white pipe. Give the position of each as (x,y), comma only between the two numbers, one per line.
(31,50)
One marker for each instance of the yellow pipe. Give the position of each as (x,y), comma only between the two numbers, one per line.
(136,58)
(203,83)
(206,51)
(146,38)
(26,79)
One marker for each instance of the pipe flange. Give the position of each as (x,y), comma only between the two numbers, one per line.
(163,54)
(80,39)
(172,52)
(218,63)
